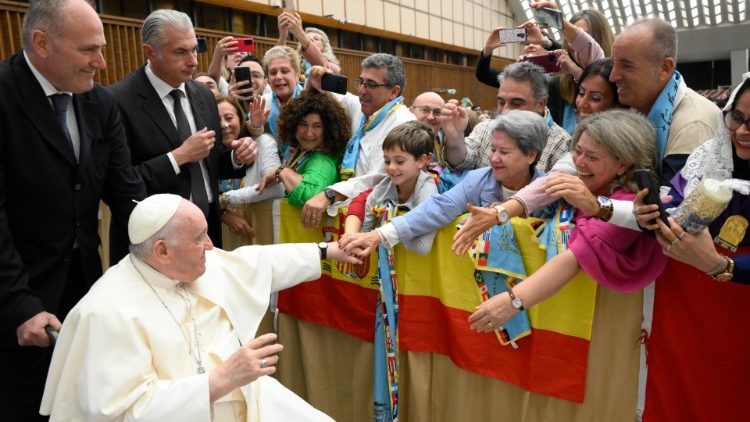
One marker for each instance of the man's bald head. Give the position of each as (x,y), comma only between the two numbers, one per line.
(426,107)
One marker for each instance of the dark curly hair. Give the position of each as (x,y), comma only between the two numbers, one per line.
(336,124)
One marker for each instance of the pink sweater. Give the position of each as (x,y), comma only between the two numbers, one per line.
(618,258)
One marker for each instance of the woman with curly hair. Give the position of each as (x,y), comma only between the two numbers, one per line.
(316,130)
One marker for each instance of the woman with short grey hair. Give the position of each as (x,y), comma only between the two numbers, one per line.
(517,141)
(607,148)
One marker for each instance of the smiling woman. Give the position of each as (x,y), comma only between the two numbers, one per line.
(316,130)
(607,147)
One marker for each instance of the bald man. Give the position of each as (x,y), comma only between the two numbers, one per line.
(426,108)
(63,151)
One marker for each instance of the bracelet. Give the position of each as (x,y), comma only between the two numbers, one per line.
(719,267)
(277,173)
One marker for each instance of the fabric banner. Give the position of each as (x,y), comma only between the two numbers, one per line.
(698,353)
(437,293)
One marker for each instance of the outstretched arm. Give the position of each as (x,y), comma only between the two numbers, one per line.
(544,283)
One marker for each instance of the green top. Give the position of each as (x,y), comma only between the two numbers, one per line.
(319,170)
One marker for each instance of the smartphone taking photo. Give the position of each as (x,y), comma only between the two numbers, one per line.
(333,83)
(245,45)
(645,178)
(548,18)
(202,46)
(547,61)
(512,35)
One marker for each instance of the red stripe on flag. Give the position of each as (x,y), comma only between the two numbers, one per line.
(546,362)
(338,304)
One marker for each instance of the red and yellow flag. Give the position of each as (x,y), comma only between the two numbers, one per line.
(437,295)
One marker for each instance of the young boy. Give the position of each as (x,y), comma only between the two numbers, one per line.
(407,150)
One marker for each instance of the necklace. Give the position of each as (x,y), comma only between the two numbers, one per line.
(197,353)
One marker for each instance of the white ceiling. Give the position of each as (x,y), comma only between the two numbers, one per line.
(707,30)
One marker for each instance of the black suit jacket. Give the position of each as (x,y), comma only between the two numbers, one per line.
(152,134)
(48,201)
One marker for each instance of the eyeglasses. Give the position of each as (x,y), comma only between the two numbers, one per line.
(427,110)
(733,120)
(257,75)
(369,84)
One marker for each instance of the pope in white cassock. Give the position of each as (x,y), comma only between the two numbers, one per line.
(167,333)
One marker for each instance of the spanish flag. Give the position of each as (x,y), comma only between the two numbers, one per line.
(437,293)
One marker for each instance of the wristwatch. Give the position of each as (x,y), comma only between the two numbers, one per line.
(502,214)
(323,247)
(605,208)
(728,272)
(514,301)
(331,195)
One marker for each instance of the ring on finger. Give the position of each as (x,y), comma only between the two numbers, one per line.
(264,363)
(681,235)
(668,248)
(636,210)
(675,240)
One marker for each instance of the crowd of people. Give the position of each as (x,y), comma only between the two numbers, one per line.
(171,328)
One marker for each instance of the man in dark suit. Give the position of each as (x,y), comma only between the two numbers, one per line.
(172,121)
(62,150)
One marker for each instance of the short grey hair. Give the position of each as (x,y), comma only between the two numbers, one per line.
(282,51)
(48,15)
(527,72)
(394,74)
(166,233)
(152,32)
(663,39)
(528,129)
(627,136)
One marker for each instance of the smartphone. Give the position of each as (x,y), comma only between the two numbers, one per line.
(548,18)
(512,35)
(245,45)
(547,61)
(645,178)
(241,73)
(333,83)
(288,5)
(202,45)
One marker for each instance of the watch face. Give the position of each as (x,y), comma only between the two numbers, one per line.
(516,302)
(724,277)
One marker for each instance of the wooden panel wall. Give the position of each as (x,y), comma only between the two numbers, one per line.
(123,54)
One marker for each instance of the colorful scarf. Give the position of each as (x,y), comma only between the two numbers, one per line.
(294,157)
(660,115)
(273,117)
(385,379)
(349,163)
(499,265)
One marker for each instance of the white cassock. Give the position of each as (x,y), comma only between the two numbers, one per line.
(120,355)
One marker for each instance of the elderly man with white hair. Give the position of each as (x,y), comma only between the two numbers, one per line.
(168,333)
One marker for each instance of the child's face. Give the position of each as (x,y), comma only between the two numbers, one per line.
(401,166)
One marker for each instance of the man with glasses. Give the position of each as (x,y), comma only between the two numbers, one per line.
(427,108)
(379,88)
(522,87)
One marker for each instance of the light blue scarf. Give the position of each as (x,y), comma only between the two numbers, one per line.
(349,162)
(273,117)
(660,115)
(570,121)
(385,364)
